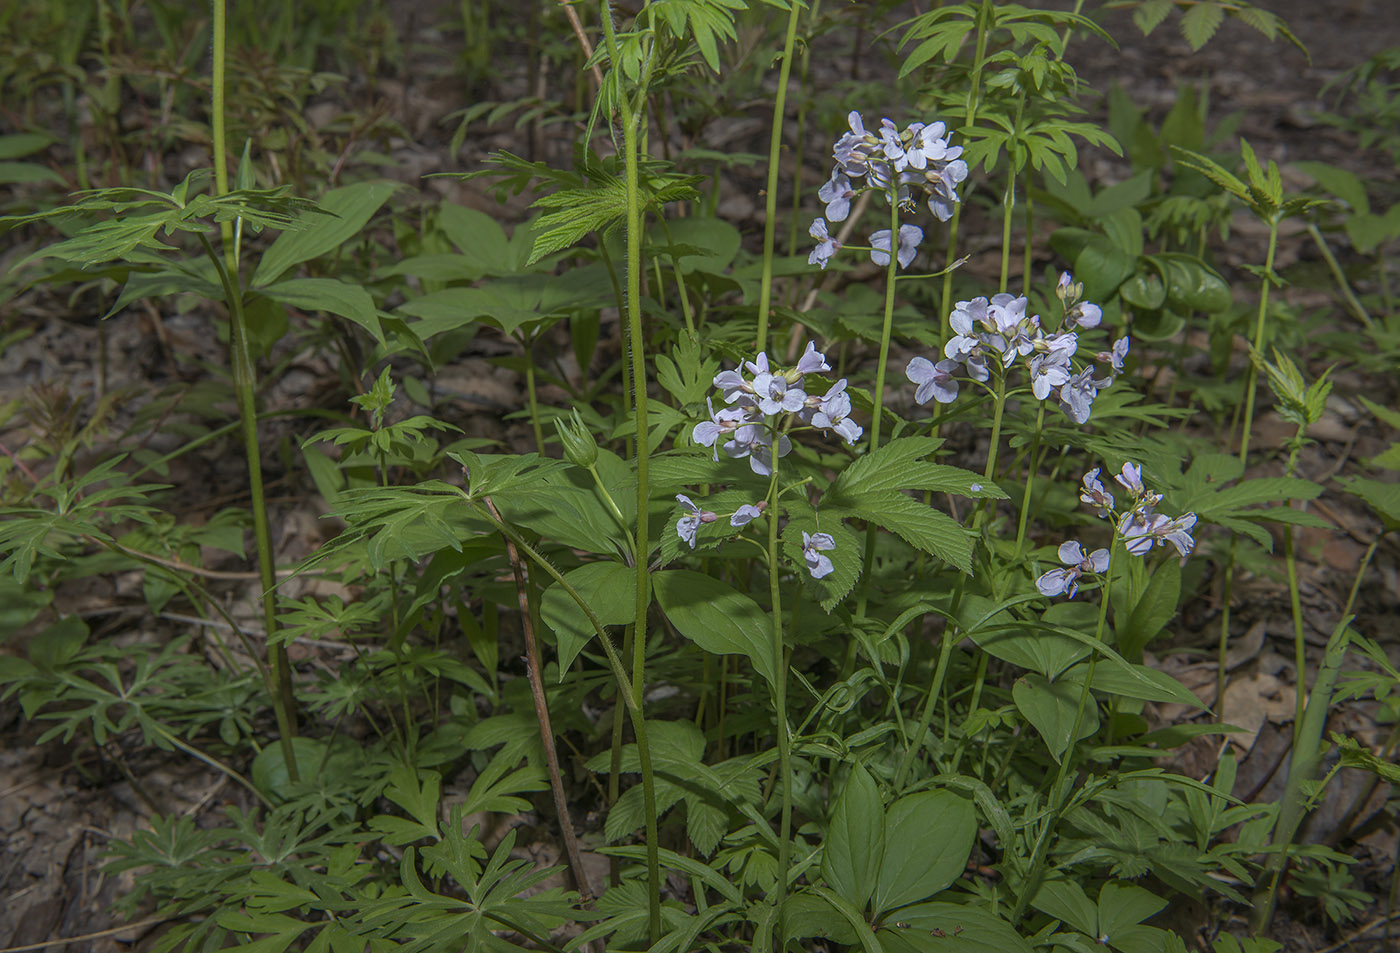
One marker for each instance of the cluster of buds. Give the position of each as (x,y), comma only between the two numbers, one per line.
(755,407)
(1138,525)
(901,165)
(1000,332)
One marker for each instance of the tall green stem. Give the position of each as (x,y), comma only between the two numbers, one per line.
(633,113)
(1302,768)
(1252,379)
(779,691)
(245,386)
(770,212)
(1059,791)
(878,397)
(974,100)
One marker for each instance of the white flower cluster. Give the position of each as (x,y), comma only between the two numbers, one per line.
(1139,525)
(755,406)
(896,163)
(999,331)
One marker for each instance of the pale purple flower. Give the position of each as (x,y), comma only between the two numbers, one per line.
(759,365)
(1083,315)
(733,385)
(891,145)
(687,526)
(935,380)
(928,145)
(1077,395)
(1048,371)
(1115,357)
(1066,282)
(942,183)
(1077,562)
(827,247)
(812,361)
(833,413)
(727,420)
(1140,531)
(812,547)
(775,395)
(1130,479)
(909,238)
(753,441)
(747,513)
(1178,533)
(1094,494)
(836,193)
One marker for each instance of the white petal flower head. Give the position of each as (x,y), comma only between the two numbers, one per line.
(1077,563)
(1178,533)
(1130,479)
(747,513)
(909,238)
(1048,371)
(733,385)
(837,193)
(687,526)
(775,395)
(812,547)
(833,413)
(1077,395)
(827,247)
(1083,315)
(812,361)
(935,381)
(1094,494)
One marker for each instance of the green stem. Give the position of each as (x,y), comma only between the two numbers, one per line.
(1340,278)
(779,689)
(974,98)
(1031,464)
(935,688)
(878,397)
(1253,376)
(620,676)
(770,213)
(1222,662)
(245,392)
(632,116)
(1059,791)
(531,397)
(1302,768)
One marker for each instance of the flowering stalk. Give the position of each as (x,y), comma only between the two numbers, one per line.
(1059,791)
(974,95)
(780,727)
(245,385)
(1252,378)
(632,114)
(775,144)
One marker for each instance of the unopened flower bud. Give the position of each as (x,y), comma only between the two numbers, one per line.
(580,448)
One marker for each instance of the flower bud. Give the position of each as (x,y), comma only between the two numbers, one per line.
(580,448)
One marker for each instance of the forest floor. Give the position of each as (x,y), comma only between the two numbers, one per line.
(60,806)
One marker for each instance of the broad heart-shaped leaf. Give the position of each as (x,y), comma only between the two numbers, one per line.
(1050,708)
(872,488)
(350,207)
(928,839)
(609,588)
(951,928)
(855,840)
(717,618)
(1192,285)
(329,294)
(511,302)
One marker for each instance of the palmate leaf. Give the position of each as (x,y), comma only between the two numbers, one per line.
(872,488)
(139,216)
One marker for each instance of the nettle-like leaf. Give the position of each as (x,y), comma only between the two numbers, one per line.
(1200,19)
(139,216)
(1243,506)
(873,488)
